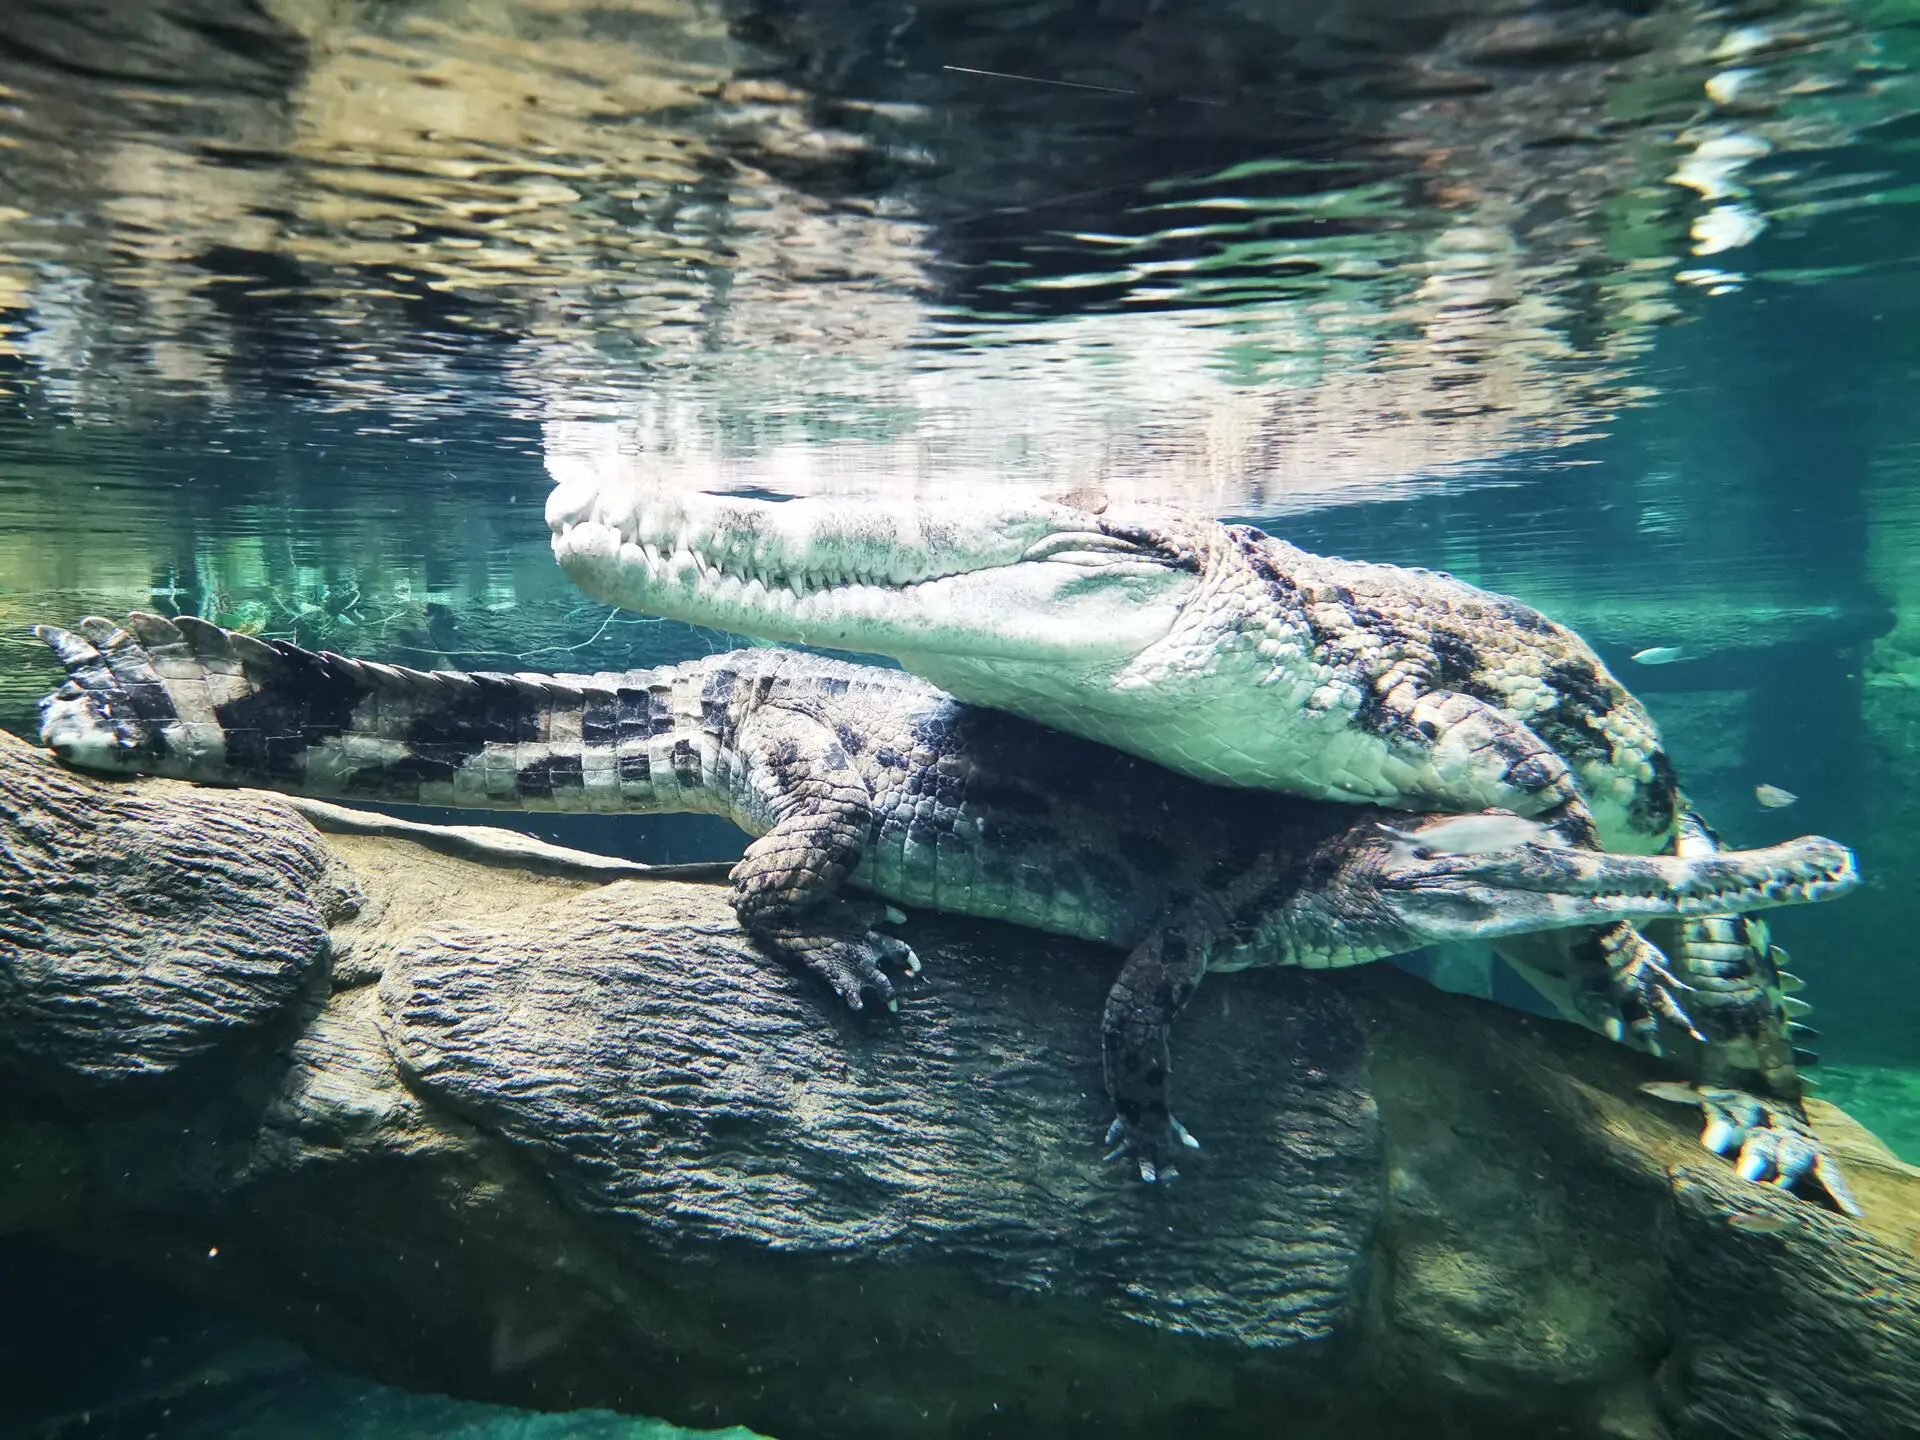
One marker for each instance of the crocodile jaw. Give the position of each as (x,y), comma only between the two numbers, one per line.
(1033,582)
(1436,899)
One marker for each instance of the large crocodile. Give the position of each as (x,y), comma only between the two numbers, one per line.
(869,777)
(1217,650)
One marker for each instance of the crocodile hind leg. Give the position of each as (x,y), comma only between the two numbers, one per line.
(1768,1140)
(786,886)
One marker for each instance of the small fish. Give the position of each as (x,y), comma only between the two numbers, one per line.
(1660,655)
(1474,834)
(1755,1223)
(1772,797)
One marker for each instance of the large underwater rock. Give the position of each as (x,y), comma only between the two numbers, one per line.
(504,1128)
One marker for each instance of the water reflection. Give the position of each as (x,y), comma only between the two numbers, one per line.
(1240,254)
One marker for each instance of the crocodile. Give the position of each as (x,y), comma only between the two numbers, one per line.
(856,776)
(1216,650)
(1224,653)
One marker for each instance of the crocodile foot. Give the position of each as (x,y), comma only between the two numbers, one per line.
(1768,1140)
(1151,1142)
(1639,993)
(839,940)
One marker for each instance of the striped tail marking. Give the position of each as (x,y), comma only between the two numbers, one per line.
(186,699)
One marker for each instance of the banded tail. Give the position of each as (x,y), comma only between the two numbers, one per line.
(185,699)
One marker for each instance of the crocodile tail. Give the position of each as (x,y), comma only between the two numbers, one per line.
(186,699)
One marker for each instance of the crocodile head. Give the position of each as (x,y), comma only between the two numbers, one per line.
(1383,894)
(1016,583)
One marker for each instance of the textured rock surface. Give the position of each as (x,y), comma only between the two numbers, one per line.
(138,934)
(530,1137)
(620,1043)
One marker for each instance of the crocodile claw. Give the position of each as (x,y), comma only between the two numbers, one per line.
(1152,1144)
(894,949)
(1768,1142)
(838,942)
(1643,990)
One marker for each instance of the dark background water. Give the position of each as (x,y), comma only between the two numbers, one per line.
(300,301)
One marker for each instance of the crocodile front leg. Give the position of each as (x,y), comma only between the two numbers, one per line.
(786,886)
(1136,1029)
(1617,981)
(1629,989)
(1736,974)
(1738,992)
(1481,757)
(1632,988)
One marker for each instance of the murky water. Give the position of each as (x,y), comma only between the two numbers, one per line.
(303,302)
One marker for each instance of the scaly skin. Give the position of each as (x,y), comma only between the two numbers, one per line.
(853,775)
(1218,651)
(1215,650)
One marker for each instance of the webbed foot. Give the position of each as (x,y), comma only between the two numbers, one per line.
(1768,1140)
(1151,1143)
(1640,991)
(839,940)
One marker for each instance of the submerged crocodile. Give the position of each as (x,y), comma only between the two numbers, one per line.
(1217,650)
(852,775)
(1221,652)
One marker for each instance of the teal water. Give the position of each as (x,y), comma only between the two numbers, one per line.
(302,304)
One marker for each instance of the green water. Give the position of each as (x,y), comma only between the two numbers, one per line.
(302,303)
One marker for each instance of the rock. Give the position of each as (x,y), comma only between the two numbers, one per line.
(143,932)
(529,1136)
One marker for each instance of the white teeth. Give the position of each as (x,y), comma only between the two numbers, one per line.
(665,536)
